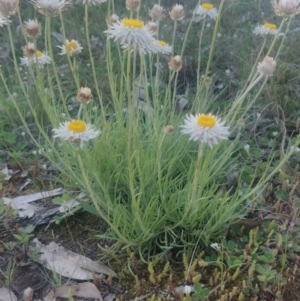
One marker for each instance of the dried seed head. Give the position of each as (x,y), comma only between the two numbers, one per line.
(267,66)
(175,64)
(84,95)
(286,8)
(8,7)
(177,13)
(113,19)
(168,129)
(29,50)
(133,5)
(156,12)
(32,28)
(152,26)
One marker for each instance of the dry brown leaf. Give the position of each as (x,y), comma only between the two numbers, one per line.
(68,263)
(84,290)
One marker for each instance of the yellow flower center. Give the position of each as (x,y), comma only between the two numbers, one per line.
(71,45)
(39,53)
(133,23)
(77,126)
(161,43)
(206,121)
(207,6)
(270,26)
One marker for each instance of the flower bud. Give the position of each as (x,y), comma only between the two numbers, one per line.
(32,28)
(177,13)
(175,64)
(84,95)
(267,66)
(156,12)
(133,5)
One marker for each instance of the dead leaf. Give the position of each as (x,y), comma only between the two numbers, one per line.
(84,290)
(68,263)
(24,209)
(7,295)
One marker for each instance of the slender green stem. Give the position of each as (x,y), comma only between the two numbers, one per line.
(48,30)
(276,36)
(95,202)
(86,18)
(199,51)
(71,65)
(237,103)
(212,48)
(196,178)
(283,38)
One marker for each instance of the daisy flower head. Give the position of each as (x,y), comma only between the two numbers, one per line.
(51,8)
(177,13)
(91,2)
(32,28)
(267,66)
(162,47)
(205,128)
(71,47)
(206,9)
(76,131)
(38,58)
(286,8)
(266,29)
(8,7)
(156,12)
(131,33)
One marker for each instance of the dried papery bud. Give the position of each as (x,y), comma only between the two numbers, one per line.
(133,5)
(29,50)
(51,8)
(156,12)
(84,95)
(152,26)
(207,81)
(32,28)
(168,129)
(175,64)
(8,7)
(177,13)
(267,66)
(286,8)
(112,19)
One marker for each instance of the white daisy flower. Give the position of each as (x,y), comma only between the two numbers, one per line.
(40,58)
(51,7)
(206,9)
(205,128)
(72,47)
(76,131)
(266,29)
(91,2)
(131,33)
(162,47)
